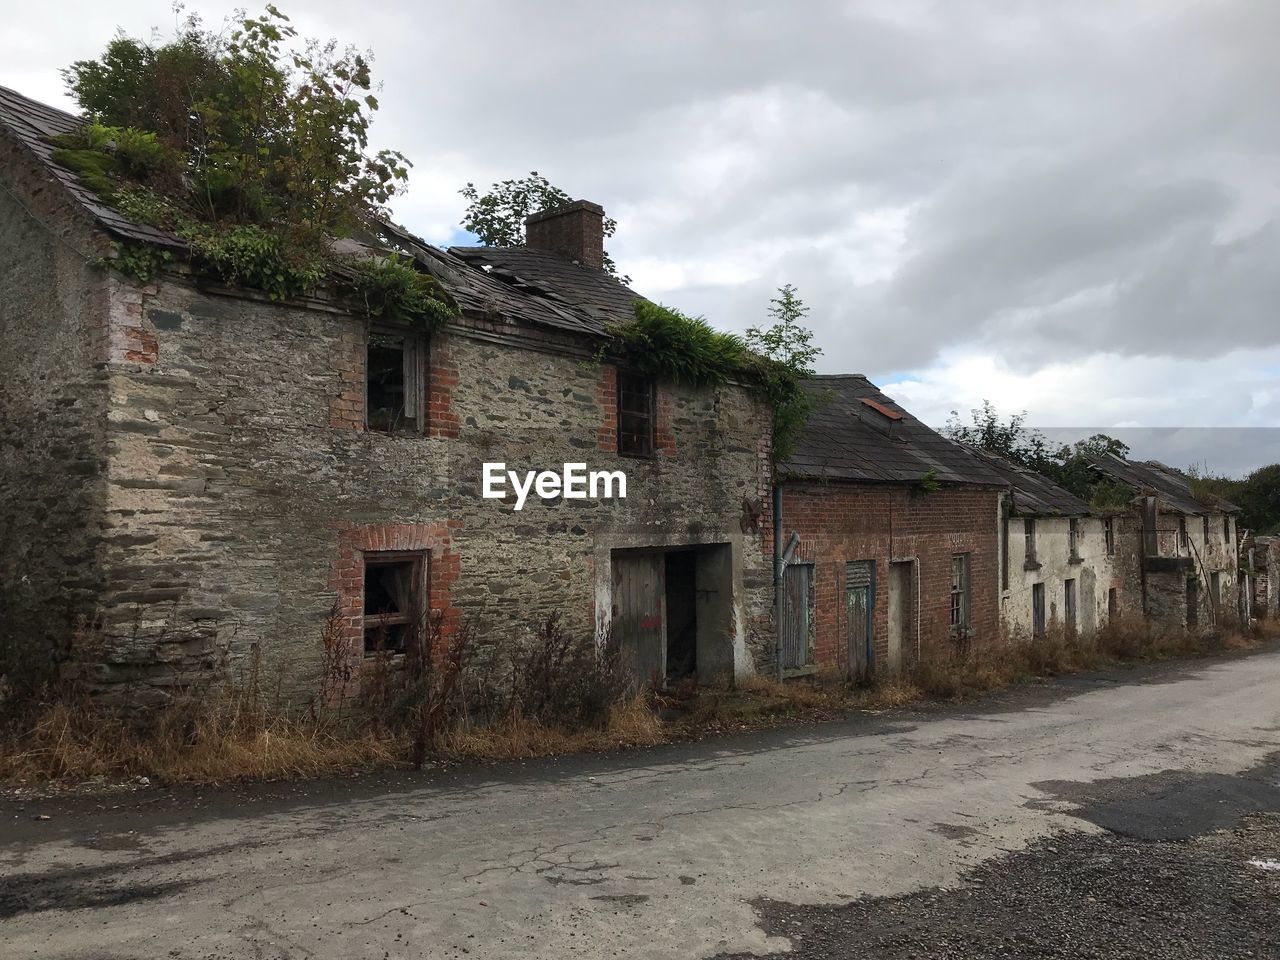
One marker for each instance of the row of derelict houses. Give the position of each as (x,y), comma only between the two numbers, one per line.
(191,472)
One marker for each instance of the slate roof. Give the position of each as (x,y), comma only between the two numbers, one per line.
(1034,495)
(508,284)
(1150,477)
(592,294)
(34,124)
(847,439)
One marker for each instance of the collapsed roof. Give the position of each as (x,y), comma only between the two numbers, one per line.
(1152,478)
(513,285)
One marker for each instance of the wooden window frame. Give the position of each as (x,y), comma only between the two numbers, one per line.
(416,367)
(961,605)
(420,564)
(627,381)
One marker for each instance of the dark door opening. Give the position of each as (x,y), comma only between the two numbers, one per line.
(682,615)
(673,613)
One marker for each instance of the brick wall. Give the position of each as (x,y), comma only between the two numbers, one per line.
(843,522)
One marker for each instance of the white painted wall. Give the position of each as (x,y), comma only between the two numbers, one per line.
(1092,570)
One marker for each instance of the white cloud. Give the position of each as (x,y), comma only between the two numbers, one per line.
(1067,208)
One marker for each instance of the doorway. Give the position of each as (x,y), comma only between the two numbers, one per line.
(682,615)
(673,613)
(901,612)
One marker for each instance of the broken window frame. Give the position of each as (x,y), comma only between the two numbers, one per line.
(1073,538)
(1109,535)
(1205,520)
(412,416)
(960,600)
(411,619)
(1029,541)
(640,441)
(1226,530)
(1184,541)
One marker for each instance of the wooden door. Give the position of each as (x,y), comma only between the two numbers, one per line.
(860,605)
(639,616)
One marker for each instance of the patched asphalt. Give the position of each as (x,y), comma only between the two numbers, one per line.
(1188,869)
(1113,815)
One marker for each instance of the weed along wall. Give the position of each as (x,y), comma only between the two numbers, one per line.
(248,506)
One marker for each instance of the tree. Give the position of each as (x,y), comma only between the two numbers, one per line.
(786,341)
(251,147)
(1259,500)
(1011,440)
(1068,466)
(247,127)
(787,351)
(497,216)
(1257,495)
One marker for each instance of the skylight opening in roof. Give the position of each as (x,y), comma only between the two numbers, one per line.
(881,409)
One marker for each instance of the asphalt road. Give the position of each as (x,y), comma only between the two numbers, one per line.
(930,822)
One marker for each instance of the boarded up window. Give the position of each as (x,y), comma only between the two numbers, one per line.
(797,617)
(395,382)
(635,415)
(392,601)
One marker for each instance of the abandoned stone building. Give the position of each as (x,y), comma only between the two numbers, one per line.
(896,526)
(1057,559)
(193,472)
(1175,551)
(1261,556)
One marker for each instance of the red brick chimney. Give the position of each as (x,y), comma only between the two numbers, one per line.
(575,231)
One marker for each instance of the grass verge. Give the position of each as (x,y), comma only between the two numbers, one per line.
(230,736)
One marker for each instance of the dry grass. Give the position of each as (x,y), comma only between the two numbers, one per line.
(632,723)
(76,742)
(227,735)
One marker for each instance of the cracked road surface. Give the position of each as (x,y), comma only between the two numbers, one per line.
(670,852)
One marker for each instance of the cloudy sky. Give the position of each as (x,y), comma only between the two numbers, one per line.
(1069,209)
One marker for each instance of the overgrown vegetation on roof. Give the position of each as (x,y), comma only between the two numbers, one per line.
(666,344)
(251,146)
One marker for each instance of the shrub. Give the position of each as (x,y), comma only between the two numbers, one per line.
(666,344)
(253,149)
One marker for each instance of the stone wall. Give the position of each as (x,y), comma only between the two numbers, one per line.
(53,399)
(243,491)
(843,522)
